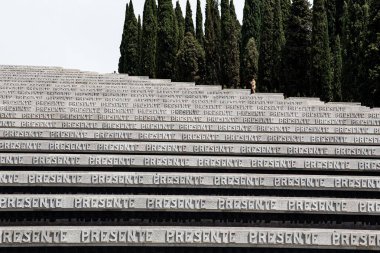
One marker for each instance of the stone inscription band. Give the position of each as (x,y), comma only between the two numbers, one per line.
(80,160)
(190,136)
(188,148)
(175,203)
(178,126)
(189,236)
(195,180)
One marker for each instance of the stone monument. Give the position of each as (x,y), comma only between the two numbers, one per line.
(109,162)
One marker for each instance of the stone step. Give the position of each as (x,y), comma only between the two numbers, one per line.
(176,203)
(189,136)
(165,110)
(27,236)
(188,126)
(188,180)
(187,162)
(183,148)
(125,116)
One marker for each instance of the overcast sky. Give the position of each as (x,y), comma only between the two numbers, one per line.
(83,34)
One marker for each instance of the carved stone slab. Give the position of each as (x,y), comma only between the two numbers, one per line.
(190,236)
(181,126)
(53,146)
(190,112)
(193,180)
(209,162)
(173,203)
(189,118)
(182,106)
(208,137)
(19,99)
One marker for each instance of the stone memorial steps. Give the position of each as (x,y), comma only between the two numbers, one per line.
(183,148)
(189,180)
(180,126)
(186,162)
(241,204)
(189,136)
(122,116)
(105,160)
(188,236)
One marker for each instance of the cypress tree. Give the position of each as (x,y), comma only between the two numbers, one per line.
(355,22)
(230,46)
(226,30)
(236,48)
(285,7)
(155,8)
(266,60)
(218,22)
(338,65)
(296,54)
(237,23)
(212,44)
(190,60)
(131,43)
(139,32)
(180,24)
(371,87)
(339,8)
(149,39)
(250,29)
(251,21)
(189,24)
(121,68)
(167,36)
(278,46)
(251,61)
(331,19)
(199,24)
(321,73)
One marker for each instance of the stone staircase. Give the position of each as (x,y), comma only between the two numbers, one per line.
(94,161)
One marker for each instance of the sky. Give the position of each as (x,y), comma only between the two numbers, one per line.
(79,34)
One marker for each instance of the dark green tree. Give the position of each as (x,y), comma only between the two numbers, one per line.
(266,59)
(251,29)
(122,44)
(251,61)
(167,36)
(371,86)
(180,24)
(190,60)
(235,40)
(278,46)
(226,29)
(331,19)
(212,44)
(338,66)
(131,43)
(339,8)
(139,32)
(296,56)
(199,24)
(230,46)
(321,73)
(285,7)
(149,39)
(189,24)
(154,8)
(239,40)
(355,20)
(251,21)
